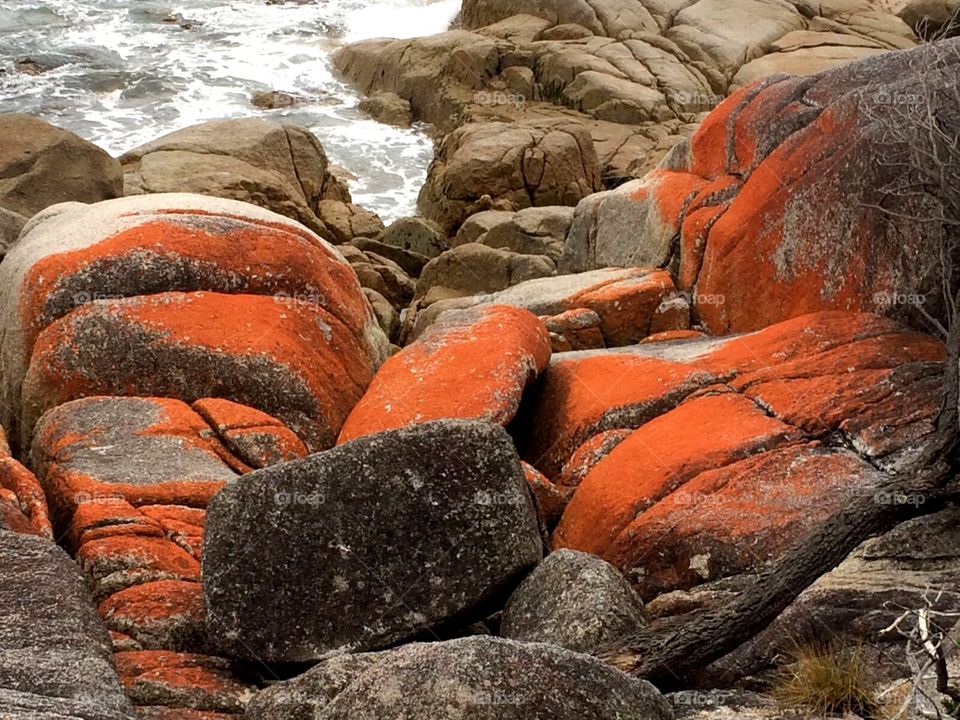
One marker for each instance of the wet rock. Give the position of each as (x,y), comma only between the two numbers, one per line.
(322,521)
(388,108)
(281,167)
(276,99)
(42,165)
(44,596)
(471,364)
(575,601)
(481,677)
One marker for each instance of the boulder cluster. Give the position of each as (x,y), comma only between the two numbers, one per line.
(264,456)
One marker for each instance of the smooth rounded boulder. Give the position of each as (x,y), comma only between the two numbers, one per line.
(78,258)
(279,166)
(368,544)
(573,600)
(42,165)
(482,678)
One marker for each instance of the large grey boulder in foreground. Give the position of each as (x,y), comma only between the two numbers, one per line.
(574,600)
(55,655)
(369,543)
(480,678)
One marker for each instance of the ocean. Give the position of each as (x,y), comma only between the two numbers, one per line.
(122,72)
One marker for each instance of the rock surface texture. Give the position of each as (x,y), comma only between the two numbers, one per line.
(483,678)
(792,197)
(449,496)
(728,450)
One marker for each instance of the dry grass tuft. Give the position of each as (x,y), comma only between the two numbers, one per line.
(827,680)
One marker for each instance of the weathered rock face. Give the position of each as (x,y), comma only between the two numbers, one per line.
(763,211)
(415,235)
(42,165)
(472,364)
(128,481)
(97,282)
(573,600)
(281,167)
(518,166)
(483,678)
(44,596)
(602,308)
(380,273)
(369,543)
(346,221)
(764,465)
(170,457)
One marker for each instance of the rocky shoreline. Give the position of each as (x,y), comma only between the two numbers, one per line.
(679,305)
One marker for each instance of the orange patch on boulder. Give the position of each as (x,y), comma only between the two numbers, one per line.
(471,364)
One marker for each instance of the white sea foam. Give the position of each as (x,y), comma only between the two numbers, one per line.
(129,71)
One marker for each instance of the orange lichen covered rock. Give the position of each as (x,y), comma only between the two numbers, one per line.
(161,453)
(471,364)
(796,195)
(117,562)
(292,360)
(551,500)
(589,392)
(608,307)
(156,678)
(161,614)
(716,479)
(75,255)
(25,496)
(253,436)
